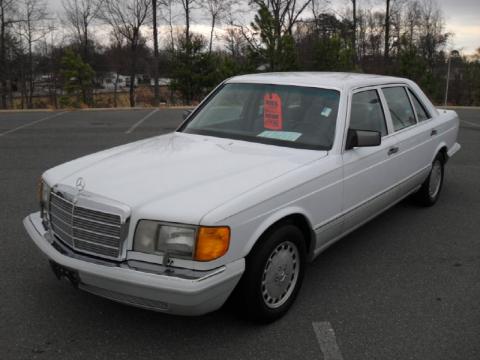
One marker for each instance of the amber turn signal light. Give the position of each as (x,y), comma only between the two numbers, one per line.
(212,242)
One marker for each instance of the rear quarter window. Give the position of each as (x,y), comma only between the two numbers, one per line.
(422,113)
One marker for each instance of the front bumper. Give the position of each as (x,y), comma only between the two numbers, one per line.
(453,150)
(195,295)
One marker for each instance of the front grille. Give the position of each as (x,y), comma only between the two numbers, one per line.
(86,230)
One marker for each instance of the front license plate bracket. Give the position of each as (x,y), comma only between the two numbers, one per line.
(61,272)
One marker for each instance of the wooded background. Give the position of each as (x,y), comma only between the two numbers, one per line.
(76,58)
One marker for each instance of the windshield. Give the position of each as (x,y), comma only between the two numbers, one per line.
(293,116)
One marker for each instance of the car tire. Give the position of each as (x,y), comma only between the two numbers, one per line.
(273,275)
(430,190)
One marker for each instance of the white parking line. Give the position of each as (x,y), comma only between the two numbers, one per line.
(32,123)
(326,340)
(139,122)
(470,123)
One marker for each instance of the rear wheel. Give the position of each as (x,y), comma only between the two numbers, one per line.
(431,187)
(273,274)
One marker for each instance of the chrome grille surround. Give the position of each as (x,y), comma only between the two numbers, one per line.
(88,223)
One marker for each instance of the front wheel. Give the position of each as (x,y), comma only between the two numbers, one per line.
(431,187)
(273,274)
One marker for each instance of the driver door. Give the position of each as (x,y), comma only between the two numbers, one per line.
(368,172)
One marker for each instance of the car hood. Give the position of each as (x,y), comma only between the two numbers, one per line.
(180,177)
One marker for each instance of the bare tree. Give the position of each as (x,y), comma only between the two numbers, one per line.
(393,19)
(235,42)
(375,23)
(318,10)
(432,35)
(156,87)
(216,9)
(286,13)
(126,17)
(476,55)
(185,49)
(32,29)
(187,6)
(354,30)
(387,31)
(274,24)
(116,59)
(412,21)
(6,19)
(79,15)
(167,14)
(52,69)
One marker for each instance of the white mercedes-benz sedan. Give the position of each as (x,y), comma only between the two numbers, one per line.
(268,171)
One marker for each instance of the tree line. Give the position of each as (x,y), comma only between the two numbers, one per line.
(66,59)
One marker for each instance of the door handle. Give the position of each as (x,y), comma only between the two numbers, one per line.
(433,132)
(392,150)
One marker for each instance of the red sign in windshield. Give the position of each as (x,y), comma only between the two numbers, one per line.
(272,111)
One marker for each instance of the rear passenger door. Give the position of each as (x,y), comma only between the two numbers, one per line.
(368,172)
(413,158)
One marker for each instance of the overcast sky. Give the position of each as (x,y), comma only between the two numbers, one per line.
(462,18)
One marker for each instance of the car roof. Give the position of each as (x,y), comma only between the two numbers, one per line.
(329,80)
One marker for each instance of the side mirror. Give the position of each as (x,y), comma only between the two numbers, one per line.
(186,114)
(362,138)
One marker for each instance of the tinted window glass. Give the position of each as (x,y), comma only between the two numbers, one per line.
(367,112)
(400,107)
(293,116)
(422,114)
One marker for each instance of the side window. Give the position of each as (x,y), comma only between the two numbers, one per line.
(400,108)
(367,112)
(422,114)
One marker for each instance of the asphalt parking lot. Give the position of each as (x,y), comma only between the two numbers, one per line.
(404,286)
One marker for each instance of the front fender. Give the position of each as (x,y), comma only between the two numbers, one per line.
(271,219)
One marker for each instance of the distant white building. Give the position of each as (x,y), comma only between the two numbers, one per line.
(107,82)
(161,81)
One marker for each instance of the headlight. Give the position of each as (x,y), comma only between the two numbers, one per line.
(154,237)
(181,241)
